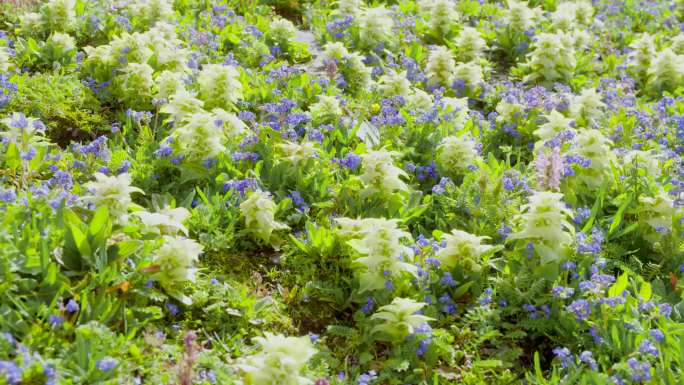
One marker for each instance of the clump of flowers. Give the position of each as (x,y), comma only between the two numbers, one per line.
(174,262)
(24,132)
(166,221)
(147,12)
(219,86)
(457,153)
(658,211)
(182,104)
(463,249)
(643,51)
(378,240)
(587,106)
(470,44)
(280,360)
(549,167)
(552,58)
(394,83)
(326,110)
(520,17)
(593,145)
(440,16)
(259,212)
(544,221)
(400,319)
(375,26)
(556,123)
(470,74)
(168,83)
(59,15)
(59,47)
(569,14)
(134,85)
(440,67)
(282,30)
(666,71)
(113,192)
(200,136)
(380,174)
(298,153)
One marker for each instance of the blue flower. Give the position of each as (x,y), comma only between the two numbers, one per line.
(588,359)
(646,347)
(581,308)
(55,320)
(564,355)
(106,364)
(657,335)
(12,373)
(72,306)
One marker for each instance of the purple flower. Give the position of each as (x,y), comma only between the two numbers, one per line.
(72,306)
(11,372)
(564,355)
(646,347)
(588,359)
(106,364)
(55,320)
(368,307)
(581,308)
(172,308)
(657,335)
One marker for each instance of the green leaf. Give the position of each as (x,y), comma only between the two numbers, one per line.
(617,219)
(645,291)
(99,221)
(619,286)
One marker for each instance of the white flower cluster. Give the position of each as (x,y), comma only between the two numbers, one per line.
(282,30)
(544,222)
(23,131)
(166,221)
(470,44)
(658,211)
(666,71)
(586,107)
(520,17)
(380,174)
(375,26)
(440,15)
(643,51)
(280,360)
(326,110)
(259,212)
(553,58)
(463,249)
(5,60)
(113,192)
(442,69)
(175,261)
(457,153)
(202,135)
(147,12)
(556,123)
(594,146)
(378,240)
(394,83)
(219,86)
(400,318)
(356,74)
(572,14)
(135,59)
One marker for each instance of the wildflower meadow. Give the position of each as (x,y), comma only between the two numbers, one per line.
(341,192)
